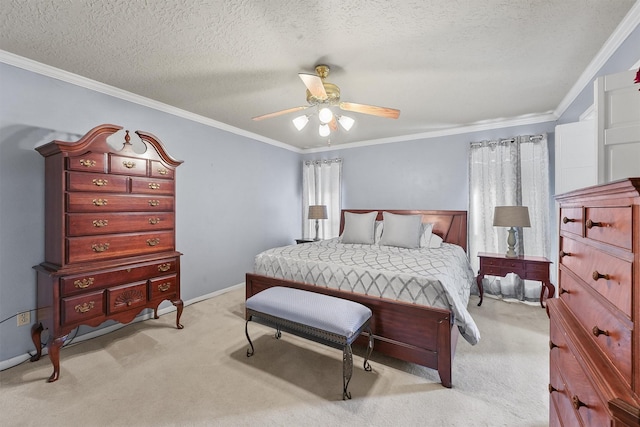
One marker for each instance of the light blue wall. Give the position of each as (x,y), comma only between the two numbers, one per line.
(421,174)
(235,196)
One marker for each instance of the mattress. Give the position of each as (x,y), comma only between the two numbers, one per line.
(439,277)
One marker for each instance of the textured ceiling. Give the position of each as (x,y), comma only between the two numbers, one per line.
(444,64)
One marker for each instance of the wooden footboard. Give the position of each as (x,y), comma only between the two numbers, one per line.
(413,333)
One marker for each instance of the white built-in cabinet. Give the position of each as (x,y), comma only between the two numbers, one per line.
(617,104)
(605,146)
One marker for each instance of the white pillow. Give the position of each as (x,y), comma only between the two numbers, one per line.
(378,232)
(435,241)
(427,229)
(359,228)
(401,230)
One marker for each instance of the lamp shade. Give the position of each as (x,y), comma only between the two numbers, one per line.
(317,212)
(511,216)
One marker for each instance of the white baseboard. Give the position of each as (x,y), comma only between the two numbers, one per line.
(14,361)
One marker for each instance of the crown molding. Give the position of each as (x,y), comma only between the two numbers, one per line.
(65,76)
(529,119)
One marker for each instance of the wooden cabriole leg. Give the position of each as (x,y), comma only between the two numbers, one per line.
(54,354)
(36,333)
(179,306)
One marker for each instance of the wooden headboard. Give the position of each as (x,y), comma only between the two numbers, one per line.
(450,225)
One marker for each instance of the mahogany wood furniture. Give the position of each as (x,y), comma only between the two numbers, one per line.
(595,334)
(109,235)
(413,333)
(526,267)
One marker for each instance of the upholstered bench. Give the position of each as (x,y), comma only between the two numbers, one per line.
(321,318)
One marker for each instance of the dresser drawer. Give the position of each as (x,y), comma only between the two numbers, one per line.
(79,181)
(152,186)
(610,225)
(571,220)
(561,412)
(126,297)
(109,246)
(159,170)
(589,409)
(84,224)
(96,202)
(88,162)
(81,283)
(127,165)
(609,333)
(163,287)
(83,307)
(590,265)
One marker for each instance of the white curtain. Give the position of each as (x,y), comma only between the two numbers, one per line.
(511,172)
(321,185)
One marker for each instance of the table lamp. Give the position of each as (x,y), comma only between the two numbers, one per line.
(317,212)
(511,216)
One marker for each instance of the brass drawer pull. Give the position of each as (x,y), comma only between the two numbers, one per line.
(84,283)
(564,291)
(566,220)
(597,276)
(100,247)
(164,287)
(591,224)
(87,163)
(597,331)
(154,186)
(100,182)
(577,403)
(153,242)
(100,222)
(162,171)
(154,221)
(164,267)
(154,202)
(84,307)
(129,164)
(100,202)
(552,345)
(564,254)
(552,389)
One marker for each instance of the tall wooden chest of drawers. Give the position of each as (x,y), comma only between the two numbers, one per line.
(109,235)
(595,321)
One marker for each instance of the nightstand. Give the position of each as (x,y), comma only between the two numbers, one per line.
(526,267)
(298,241)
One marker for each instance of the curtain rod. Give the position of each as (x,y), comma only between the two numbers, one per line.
(323,161)
(522,138)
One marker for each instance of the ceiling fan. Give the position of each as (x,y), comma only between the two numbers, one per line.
(323,94)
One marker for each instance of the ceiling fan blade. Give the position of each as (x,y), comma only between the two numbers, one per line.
(279,113)
(314,85)
(390,113)
(333,124)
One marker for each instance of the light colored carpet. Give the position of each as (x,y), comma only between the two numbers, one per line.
(151,374)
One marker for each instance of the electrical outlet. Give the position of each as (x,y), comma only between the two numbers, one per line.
(24,318)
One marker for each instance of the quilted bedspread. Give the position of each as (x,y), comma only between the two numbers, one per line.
(440,277)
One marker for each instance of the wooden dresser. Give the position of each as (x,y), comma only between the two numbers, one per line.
(595,343)
(109,235)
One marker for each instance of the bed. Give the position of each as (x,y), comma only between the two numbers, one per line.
(418,315)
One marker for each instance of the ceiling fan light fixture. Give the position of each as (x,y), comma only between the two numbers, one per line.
(325,115)
(346,122)
(300,122)
(324,130)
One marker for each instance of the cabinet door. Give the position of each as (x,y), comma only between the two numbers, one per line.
(618,110)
